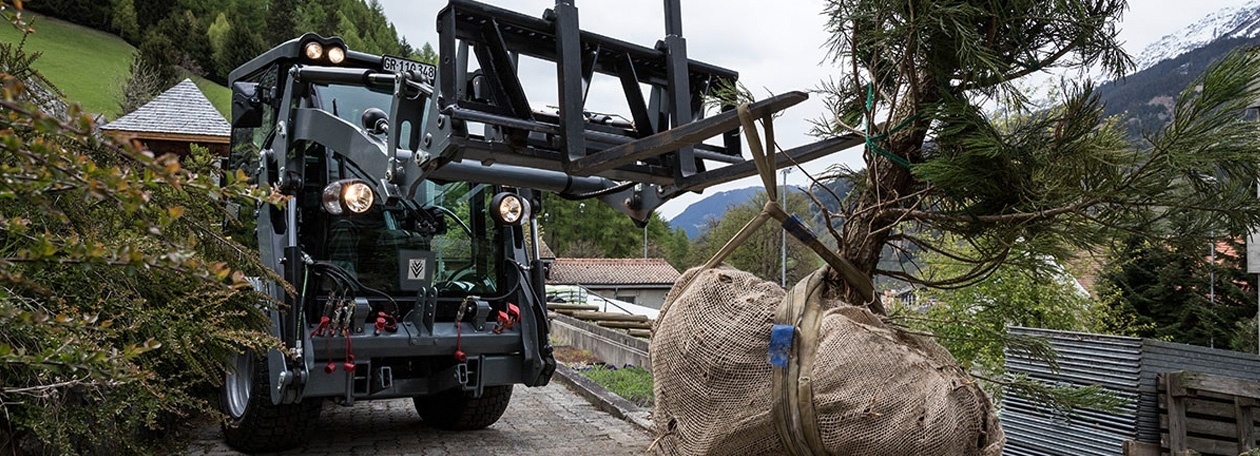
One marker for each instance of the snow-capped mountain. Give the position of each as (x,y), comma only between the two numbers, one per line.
(1230,22)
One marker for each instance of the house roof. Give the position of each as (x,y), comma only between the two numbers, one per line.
(181,110)
(544,250)
(613,271)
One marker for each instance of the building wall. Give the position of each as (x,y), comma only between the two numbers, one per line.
(646,297)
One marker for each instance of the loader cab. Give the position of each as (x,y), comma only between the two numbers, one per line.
(444,238)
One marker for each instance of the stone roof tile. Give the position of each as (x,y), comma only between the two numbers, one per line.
(182,109)
(613,271)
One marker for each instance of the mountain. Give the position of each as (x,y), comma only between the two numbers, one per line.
(693,218)
(1145,97)
(1230,22)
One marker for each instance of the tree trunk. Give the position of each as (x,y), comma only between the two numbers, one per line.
(867,229)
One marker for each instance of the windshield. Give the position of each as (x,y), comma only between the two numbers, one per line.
(349,102)
(450,245)
(446,239)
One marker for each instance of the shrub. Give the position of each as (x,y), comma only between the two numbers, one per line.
(116,295)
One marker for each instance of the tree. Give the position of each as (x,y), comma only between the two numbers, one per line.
(159,54)
(143,85)
(761,253)
(1183,291)
(282,20)
(1052,182)
(123,20)
(240,45)
(971,322)
(591,229)
(426,54)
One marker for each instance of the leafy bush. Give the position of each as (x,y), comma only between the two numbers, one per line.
(116,295)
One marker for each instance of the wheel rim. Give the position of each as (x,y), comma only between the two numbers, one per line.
(238,383)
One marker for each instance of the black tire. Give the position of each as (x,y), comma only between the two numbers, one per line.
(252,424)
(456,410)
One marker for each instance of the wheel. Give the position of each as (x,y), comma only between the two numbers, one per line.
(252,423)
(456,410)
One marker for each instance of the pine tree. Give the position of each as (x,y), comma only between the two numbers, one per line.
(282,21)
(1191,290)
(1054,182)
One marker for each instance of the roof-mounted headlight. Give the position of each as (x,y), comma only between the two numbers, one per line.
(336,55)
(509,209)
(313,50)
(351,195)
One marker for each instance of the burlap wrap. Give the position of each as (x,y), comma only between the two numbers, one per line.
(876,389)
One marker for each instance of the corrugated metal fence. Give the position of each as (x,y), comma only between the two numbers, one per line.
(1127,367)
(1084,359)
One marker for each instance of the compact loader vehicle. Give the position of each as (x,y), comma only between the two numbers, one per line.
(409,237)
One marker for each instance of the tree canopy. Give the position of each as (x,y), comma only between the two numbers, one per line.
(917,79)
(212,37)
(1192,290)
(590,229)
(761,254)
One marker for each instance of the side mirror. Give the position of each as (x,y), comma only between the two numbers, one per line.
(246,106)
(375,121)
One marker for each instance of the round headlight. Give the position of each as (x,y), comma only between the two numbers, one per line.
(348,194)
(313,51)
(509,209)
(357,197)
(336,55)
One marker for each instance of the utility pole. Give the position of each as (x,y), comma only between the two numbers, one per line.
(645,239)
(783,233)
(1253,267)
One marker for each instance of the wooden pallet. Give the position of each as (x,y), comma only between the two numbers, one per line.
(1209,414)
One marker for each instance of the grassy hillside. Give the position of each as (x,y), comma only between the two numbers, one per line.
(218,95)
(90,66)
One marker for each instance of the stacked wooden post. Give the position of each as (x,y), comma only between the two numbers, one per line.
(635,325)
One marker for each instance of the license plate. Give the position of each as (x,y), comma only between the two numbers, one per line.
(393,64)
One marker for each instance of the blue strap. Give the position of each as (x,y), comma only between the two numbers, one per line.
(781,344)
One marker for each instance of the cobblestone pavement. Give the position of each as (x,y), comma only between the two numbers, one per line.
(550,420)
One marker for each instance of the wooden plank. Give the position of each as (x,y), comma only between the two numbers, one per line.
(1207,428)
(644,333)
(1245,427)
(1206,446)
(680,136)
(1201,405)
(625,324)
(1176,414)
(1215,383)
(567,306)
(608,316)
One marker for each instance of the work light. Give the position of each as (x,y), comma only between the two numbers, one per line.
(314,51)
(336,55)
(352,195)
(509,209)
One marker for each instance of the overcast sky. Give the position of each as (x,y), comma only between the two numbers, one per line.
(774,49)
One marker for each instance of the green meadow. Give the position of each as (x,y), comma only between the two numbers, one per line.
(90,66)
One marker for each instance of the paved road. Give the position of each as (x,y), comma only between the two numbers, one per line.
(551,420)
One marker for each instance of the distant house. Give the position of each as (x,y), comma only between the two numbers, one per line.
(171,122)
(642,281)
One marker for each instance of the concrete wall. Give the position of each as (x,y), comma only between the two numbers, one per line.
(645,297)
(612,346)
